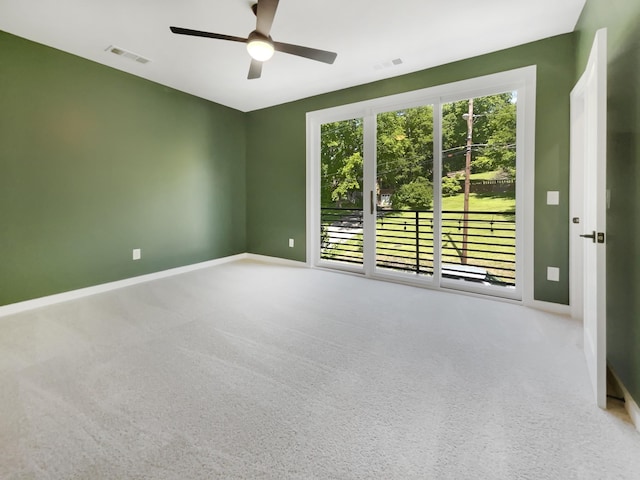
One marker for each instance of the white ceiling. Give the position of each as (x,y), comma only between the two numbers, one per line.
(366,34)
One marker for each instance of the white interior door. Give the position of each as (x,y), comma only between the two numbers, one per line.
(588,211)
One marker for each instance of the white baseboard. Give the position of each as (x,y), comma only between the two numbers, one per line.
(556,308)
(106,287)
(632,409)
(275,260)
(629,403)
(84,292)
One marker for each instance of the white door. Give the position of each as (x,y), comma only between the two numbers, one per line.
(588,211)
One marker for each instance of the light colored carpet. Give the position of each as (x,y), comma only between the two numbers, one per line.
(254,371)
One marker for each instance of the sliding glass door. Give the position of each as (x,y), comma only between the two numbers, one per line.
(478,208)
(422,189)
(341,197)
(398,190)
(404,191)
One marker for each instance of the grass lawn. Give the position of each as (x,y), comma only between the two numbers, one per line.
(481,203)
(484,175)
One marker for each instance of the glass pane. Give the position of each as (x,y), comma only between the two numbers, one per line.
(479,190)
(404,176)
(341,191)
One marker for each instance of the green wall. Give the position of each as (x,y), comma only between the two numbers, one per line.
(276,163)
(621,18)
(95,162)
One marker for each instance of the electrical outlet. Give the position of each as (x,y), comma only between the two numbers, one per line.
(137,254)
(291,243)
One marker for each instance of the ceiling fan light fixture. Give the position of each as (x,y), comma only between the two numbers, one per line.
(259,47)
(259,43)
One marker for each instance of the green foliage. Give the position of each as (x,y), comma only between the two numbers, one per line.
(493,134)
(450,186)
(506,173)
(415,195)
(404,153)
(404,146)
(482,164)
(341,163)
(350,174)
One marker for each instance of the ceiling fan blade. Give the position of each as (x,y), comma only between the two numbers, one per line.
(265,13)
(255,70)
(198,33)
(306,52)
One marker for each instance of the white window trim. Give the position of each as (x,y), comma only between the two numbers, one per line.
(521,79)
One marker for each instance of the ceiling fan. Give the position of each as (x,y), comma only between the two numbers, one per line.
(260,45)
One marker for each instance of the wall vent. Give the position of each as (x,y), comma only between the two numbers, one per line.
(127,54)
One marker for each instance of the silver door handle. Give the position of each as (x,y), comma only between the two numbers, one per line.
(592,236)
(595,236)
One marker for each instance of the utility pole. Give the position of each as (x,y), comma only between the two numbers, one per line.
(467,181)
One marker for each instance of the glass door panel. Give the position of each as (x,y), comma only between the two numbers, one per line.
(341,200)
(478,226)
(404,191)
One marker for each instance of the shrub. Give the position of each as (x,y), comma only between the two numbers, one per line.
(450,186)
(416,195)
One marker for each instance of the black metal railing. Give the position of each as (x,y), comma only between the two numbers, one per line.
(404,242)
(341,235)
(490,246)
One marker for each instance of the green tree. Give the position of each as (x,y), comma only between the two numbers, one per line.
(493,134)
(341,163)
(501,142)
(405,149)
(404,146)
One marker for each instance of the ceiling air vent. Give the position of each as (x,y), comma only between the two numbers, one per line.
(391,63)
(127,54)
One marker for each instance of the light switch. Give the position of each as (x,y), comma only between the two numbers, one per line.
(553,198)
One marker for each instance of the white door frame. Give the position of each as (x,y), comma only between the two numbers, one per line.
(576,197)
(522,79)
(588,203)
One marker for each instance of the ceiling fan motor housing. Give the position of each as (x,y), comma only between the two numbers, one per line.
(260,47)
